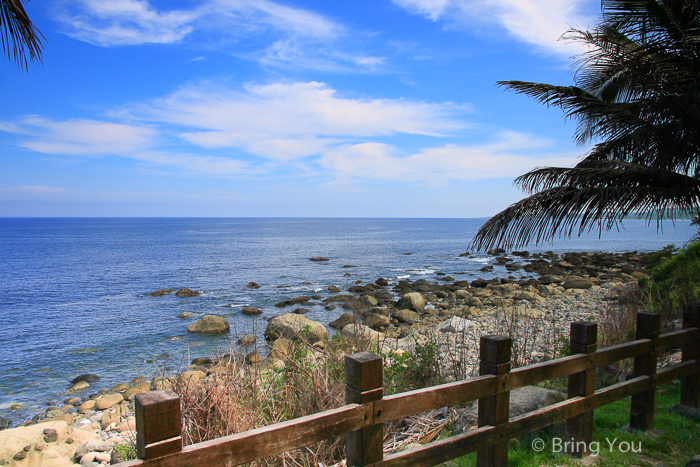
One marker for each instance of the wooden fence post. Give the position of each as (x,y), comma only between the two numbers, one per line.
(642,406)
(583,339)
(494,410)
(690,385)
(158,424)
(363,385)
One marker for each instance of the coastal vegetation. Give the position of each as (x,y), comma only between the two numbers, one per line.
(635,96)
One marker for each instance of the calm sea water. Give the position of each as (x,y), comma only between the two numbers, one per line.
(74,292)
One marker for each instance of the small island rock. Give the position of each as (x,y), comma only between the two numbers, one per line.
(187,293)
(210,324)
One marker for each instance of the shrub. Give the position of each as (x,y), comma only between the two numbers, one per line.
(674,278)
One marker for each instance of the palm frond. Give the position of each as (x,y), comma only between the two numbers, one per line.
(568,200)
(18,34)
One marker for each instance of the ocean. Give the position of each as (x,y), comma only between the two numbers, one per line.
(74,292)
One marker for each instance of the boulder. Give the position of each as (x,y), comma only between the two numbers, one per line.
(85,448)
(5,423)
(454,324)
(186,314)
(185,292)
(333,289)
(342,321)
(86,406)
(250,310)
(56,453)
(279,349)
(88,378)
(292,325)
(377,321)
(318,258)
(576,282)
(253,358)
(362,333)
(412,301)
(161,292)
(78,387)
(108,400)
(406,316)
(551,279)
(191,376)
(120,387)
(522,400)
(138,388)
(210,324)
(246,340)
(253,285)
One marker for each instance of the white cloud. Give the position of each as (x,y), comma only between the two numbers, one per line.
(508,157)
(123,22)
(96,138)
(279,35)
(287,121)
(82,137)
(537,22)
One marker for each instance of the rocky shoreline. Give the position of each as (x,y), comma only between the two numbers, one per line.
(396,317)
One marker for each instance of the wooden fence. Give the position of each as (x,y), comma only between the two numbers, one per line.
(158,421)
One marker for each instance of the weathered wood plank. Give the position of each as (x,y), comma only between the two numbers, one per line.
(677,371)
(642,404)
(364,385)
(533,374)
(266,441)
(467,443)
(583,340)
(495,352)
(690,385)
(435,397)
(677,338)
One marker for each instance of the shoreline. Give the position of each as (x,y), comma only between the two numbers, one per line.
(478,301)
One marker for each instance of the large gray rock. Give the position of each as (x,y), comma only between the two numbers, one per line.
(406,316)
(377,321)
(576,282)
(210,324)
(454,324)
(292,325)
(102,446)
(342,321)
(522,400)
(362,333)
(412,301)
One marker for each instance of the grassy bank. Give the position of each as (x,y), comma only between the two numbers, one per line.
(675,440)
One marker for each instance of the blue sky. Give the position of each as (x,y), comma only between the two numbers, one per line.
(369,108)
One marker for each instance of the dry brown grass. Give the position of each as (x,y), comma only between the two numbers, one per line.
(236,397)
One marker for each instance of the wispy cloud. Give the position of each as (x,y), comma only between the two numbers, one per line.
(537,22)
(287,121)
(510,155)
(123,22)
(291,130)
(273,34)
(94,138)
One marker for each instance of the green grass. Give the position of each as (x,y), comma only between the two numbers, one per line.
(678,442)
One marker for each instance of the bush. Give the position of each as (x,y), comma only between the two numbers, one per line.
(674,278)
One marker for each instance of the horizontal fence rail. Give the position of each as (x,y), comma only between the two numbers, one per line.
(361,420)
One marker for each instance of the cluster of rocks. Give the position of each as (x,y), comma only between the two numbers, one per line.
(184,292)
(571,287)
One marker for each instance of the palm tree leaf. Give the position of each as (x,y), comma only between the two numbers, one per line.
(580,198)
(17,33)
